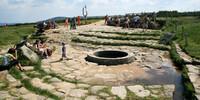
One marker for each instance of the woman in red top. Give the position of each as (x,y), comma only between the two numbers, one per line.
(66,23)
(79,20)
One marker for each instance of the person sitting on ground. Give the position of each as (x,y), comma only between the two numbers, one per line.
(36,45)
(43,49)
(63,51)
(40,48)
(8,60)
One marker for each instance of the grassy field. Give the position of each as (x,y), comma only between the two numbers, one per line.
(13,34)
(10,35)
(190,25)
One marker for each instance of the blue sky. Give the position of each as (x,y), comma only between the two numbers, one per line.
(12,11)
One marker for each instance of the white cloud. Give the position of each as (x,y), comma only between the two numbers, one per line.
(34,10)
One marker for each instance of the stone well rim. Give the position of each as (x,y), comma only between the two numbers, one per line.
(128,54)
(127,58)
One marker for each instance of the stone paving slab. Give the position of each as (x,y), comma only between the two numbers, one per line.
(183,55)
(38,83)
(120,91)
(194,75)
(3,75)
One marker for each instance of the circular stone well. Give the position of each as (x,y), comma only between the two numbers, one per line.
(110,57)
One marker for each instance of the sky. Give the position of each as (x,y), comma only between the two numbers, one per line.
(21,11)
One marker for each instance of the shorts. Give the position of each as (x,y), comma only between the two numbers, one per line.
(64,55)
(14,62)
(7,67)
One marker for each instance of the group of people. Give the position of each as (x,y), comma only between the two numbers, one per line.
(10,59)
(51,24)
(41,48)
(136,21)
(73,22)
(42,26)
(117,21)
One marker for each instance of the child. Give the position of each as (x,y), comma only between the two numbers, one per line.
(63,51)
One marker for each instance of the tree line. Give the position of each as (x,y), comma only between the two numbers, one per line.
(177,14)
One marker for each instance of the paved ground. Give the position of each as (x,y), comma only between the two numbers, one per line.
(151,76)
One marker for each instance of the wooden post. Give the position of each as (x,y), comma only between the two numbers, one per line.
(186,39)
(176,27)
(182,32)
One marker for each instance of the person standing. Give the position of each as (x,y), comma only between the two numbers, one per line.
(127,22)
(71,23)
(79,20)
(106,20)
(136,20)
(74,23)
(145,22)
(66,23)
(63,52)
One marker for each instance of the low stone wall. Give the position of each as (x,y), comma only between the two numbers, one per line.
(192,72)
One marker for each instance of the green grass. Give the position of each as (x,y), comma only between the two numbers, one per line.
(38,69)
(3,84)
(175,57)
(94,42)
(153,33)
(120,37)
(27,84)
(39,91)
(192,27)
(42,73)
(13,34)
(15,73)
